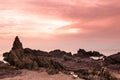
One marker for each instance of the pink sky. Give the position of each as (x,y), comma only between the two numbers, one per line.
(65,24)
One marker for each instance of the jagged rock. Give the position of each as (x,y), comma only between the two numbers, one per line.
(113,59)
(94,54)
(67,58)
(29,51)
(84,54)
(29,59)
(112,63)
(16,56)
(7,71)
(81,53)
(4,65)
(58,53)
(57,60)
(33,59)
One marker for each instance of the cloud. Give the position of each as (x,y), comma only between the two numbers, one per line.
(74,22)
(71,10)
(76,9)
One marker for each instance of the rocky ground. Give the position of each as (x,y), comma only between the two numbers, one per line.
(57,62)
(40,75)
(8,71)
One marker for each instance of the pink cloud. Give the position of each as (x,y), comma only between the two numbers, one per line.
(93,24)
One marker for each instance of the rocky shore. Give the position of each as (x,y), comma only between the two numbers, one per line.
(80,65)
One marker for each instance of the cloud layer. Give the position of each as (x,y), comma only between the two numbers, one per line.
(77,23)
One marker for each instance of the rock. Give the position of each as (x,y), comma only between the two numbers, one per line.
(15,56)
(81,53)
(58,53)
(54,61)
(52,71)
(28,51)
(17,44)
(113,59)
(67,58)
(4,65)
(7,71)
(112,63)
(30,59)
(94,54)
(114,67)
(84,54)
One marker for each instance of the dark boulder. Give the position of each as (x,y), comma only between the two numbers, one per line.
(28,51)
(81,53)
(94,54)
(113,59)
(84,54)
(58,53)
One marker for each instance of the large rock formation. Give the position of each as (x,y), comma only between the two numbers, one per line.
(57,60)
(29,59)
(16,56)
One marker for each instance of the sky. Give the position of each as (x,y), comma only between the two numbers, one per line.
(60,24)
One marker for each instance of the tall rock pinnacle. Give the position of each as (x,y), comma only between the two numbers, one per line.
(17,44)
(15,56)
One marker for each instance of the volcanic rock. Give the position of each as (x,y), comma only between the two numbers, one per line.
(81,53)
(58,53)
(84,54)
(113,59)
(15,56)
(7,71)
(28,58)
(57,60)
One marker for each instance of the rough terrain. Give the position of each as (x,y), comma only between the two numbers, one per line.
(57,61)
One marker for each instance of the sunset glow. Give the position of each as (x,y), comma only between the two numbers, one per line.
(30,25)
(78,23)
